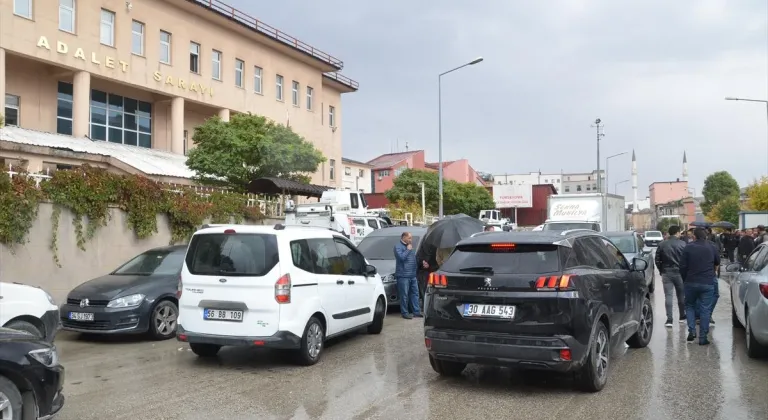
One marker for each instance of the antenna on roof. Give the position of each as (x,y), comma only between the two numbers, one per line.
(406,146)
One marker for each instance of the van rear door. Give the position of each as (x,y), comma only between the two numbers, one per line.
(228,284)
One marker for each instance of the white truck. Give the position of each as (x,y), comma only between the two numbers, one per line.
(585,211)
(345,212)
(751,219)
(493,218)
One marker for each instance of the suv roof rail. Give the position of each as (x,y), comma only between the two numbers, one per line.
(569,231)
(210,225)
(280,226)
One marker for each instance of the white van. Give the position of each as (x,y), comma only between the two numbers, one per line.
(30,309)
(284,287)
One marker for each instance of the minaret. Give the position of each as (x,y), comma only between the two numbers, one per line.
(634,182)
(685,167)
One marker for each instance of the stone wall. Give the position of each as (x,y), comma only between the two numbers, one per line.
(112,245)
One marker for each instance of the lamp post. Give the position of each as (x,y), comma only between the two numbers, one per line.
(603,196)
(762,101)
(440,129)
(616,185)
(423,205)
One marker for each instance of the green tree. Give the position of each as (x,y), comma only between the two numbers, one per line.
(249,147)
(457,197)
(757,195)
(467,198)
(717,187)
(666,222)
(726,209)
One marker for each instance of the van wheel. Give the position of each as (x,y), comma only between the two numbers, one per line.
(10,400)
(162,322)
(25,326)
(205,350)
(446,368)
(594,374)
(645,331)
(378,318)
(312,343)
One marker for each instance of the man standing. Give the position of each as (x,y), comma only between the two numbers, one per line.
(697,268)
(405,274)
(746,246)
(731,240)
(762,235)
(668,256)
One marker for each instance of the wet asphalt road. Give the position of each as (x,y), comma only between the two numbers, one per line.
(389,376)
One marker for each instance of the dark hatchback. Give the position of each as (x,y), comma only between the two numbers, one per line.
(138,297)
(31,378)
(536,300)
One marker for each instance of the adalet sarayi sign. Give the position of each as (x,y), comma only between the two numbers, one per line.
(513,196)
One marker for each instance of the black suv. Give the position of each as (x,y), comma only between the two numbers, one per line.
(31,378)
(536,300)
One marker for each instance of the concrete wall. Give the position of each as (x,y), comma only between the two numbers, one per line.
(112,245)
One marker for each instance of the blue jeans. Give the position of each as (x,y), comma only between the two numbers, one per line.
(698,298)
(715,298)
(408,292)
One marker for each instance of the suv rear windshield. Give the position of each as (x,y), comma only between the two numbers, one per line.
(522,259)
(216,254)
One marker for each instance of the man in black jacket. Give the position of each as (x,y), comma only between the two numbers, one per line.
(746,246)
(697,267)
(668,256)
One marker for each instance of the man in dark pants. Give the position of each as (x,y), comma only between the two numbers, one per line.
(405,274)
(746,246)
(668,255)
(697,268)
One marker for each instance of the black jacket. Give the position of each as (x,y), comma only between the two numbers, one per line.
(668,254)
(746,246)
(697,265)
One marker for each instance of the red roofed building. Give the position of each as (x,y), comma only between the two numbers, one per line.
(458,170)
(385,168)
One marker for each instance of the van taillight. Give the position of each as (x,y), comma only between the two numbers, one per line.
(179,288)
(555,282)
(437,280)
(283,289)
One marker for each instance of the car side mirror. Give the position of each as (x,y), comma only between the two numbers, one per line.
(639,264)
(370,270)
(733,268)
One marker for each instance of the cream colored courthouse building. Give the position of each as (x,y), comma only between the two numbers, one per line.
(122,84)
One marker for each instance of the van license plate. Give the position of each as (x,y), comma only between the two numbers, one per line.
(489,311)
(223,315)
(81,316)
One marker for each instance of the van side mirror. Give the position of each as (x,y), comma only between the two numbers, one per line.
(370,270)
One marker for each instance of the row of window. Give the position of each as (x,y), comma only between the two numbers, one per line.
(348,172)
(12,107)
(67,23)
(592,187)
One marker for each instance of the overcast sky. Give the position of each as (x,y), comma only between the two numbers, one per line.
(655,72)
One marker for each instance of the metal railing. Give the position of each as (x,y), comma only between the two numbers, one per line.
(261,27)
(344,80)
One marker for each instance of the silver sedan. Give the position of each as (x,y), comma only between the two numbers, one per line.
(749,296)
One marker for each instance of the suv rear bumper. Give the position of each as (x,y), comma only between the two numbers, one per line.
(524,352)
(280,340)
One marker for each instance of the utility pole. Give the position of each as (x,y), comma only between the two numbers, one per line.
(598,129)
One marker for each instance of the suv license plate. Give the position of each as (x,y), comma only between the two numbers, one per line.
(223,315)
(489,311)
(81,316)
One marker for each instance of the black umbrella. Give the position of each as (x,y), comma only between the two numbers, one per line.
(701,224)
(724,225)
(447,232)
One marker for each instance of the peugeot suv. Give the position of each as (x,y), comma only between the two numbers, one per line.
(536,300)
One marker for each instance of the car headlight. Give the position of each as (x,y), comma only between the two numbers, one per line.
(50,298)
(126,301)
(389,278)
(48,357)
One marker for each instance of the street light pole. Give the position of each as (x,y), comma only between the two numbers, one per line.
(423,205)
(599,134)
(730,98)
(616,185)
(440,130)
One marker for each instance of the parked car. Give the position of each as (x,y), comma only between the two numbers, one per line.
(546,300)
(139,297)
(653,238)
(282,287)
(30,309)
(632,246)
(379,249)
(31,378)
(749,300)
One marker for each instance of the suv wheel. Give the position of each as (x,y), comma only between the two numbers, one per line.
(594,374)
(378,318)
(312,343)
(645,331)
(446,368)
(163,320)
(10,400)
(205,350)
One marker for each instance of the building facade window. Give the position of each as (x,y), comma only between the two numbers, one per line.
(119,119)
(400,170)
(67,15)
(216,65)
(257,71)
(331,116)
(239,70)
(384,173)
(12,109)
(22,8)
(64,109)
(279,87)
(332,164)
(137,38)
(165,47)
(567,189)
(295,93)
(310,92)
(347,171)
(194,57)
(361,173)
(107,35)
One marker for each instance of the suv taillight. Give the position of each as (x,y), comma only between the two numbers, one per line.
(283,289)
(437,280)
(764,289)
(178,289)
(563,282)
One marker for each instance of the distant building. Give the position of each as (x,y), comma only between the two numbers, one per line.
(356,175)
(564,183)
(386,168)
(459,171)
